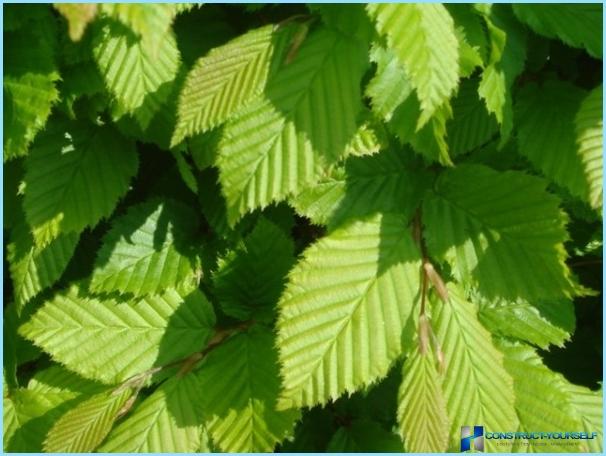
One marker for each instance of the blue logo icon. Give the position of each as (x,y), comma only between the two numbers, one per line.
(472,440)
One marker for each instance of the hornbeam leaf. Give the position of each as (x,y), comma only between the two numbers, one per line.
(147,250)
(240,384)
(422,408)
(287,137)
(85,426)
(576,25)
(78,15)
(138,76)
(168,421)
(500,232)
(588,406)
(75,175)
(226,79)
(34,269)
(423,37)
(588,128)
(344,309)
(474,370)
(110,341)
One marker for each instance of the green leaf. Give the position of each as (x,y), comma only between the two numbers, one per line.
(30,74)
(241,382)
(501,232)
(249,279)
(147,250)
(473,42)
(286,138)
(542,323)
(34,269)
(85,426)
(579,26)
(541,396)
(168,421)
(546,134)
(507,55)
(364,436)
(422,416)
(344,309)
(587,404)
(474,370)
(226,79)
(140,77)
(110,341)
(67,167)
(78,16)
(588,128)
(389,181)
(423,38)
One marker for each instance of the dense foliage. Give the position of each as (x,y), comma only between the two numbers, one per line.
(301,227)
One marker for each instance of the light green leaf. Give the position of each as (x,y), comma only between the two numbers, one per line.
(30,74)
(589,128)
(474,370)
(168,421)
(344,309)
(471,34)
(500,232)
(138,76)
(587,405)
(248,280)
(286,138)
(147,250)
(542,323)
(576,25)
(423,37)
(78,16)
(364,436)
(385,182)
(226,79)
(541,397)
(507,55)
(240,381)
(422,417)
(75,175)
(34,269)
(546,133)
(110,341)
(85,426)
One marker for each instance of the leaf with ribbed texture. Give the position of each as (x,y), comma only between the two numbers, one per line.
(500,232)
(344,309)
(364,436)
(248,280)
(287,137)
(471,125)
(384,182)
(78,15)
(226,79)
(588,406)
(168,421)
(546,133)
(507,55)
(542,323)
(422,416)
(423,37)
(139,77)
(147,250)
(473,42)
(33,410)
(30,74)
(85,426)
(474,370)
(110,341)
(75,175)
(576,25)
(34,269)
(541,397)
(240,384)
(589,128)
